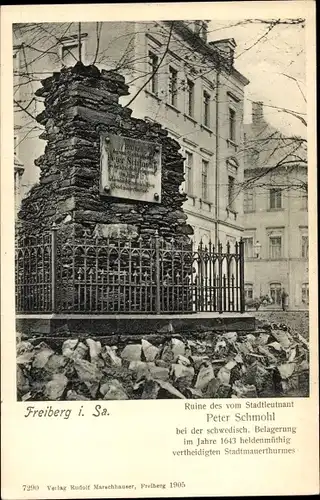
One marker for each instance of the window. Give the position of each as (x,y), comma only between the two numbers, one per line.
(70,54)
(173,81)
(231,192)
(189,172)
(205,238)
(16,77)
(206,109)
(205,168)
(275,247)
(248,291)
(248,201)
(232,125)
(231,239)
(17,180)
(304,246)
(275,293)
(304,201)
(15,63)
(248,247)
(17,190)
(275,200)
(153,63)
(305,293)
(190,98)
(232,242)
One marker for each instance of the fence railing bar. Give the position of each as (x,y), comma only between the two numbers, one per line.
(54,268)
(242,297)
(158,274)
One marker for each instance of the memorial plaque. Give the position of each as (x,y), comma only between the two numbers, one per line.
(130,168)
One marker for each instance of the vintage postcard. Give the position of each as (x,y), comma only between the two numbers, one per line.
(159,250)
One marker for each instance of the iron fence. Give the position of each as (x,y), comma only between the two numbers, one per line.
(96,275)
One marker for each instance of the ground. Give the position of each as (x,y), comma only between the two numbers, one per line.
(297,320)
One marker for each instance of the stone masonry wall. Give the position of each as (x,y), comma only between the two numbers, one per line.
(80,103)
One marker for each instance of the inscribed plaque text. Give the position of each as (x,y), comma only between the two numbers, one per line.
(130,168)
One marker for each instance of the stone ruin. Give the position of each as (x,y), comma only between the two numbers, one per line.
(81,107)
(80,102)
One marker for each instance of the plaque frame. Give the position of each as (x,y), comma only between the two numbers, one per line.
(150,182)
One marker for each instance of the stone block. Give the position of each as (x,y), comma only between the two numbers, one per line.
(95,117)
(67,205)
(124,231)
(91,216)
(56,387)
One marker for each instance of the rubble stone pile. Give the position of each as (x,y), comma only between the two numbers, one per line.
(270,362)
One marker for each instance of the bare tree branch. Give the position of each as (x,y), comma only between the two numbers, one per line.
(294,79)
(98,35)
(270,27)
(24,109)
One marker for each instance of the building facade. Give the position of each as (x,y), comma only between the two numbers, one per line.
(275,214)
(176,77)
